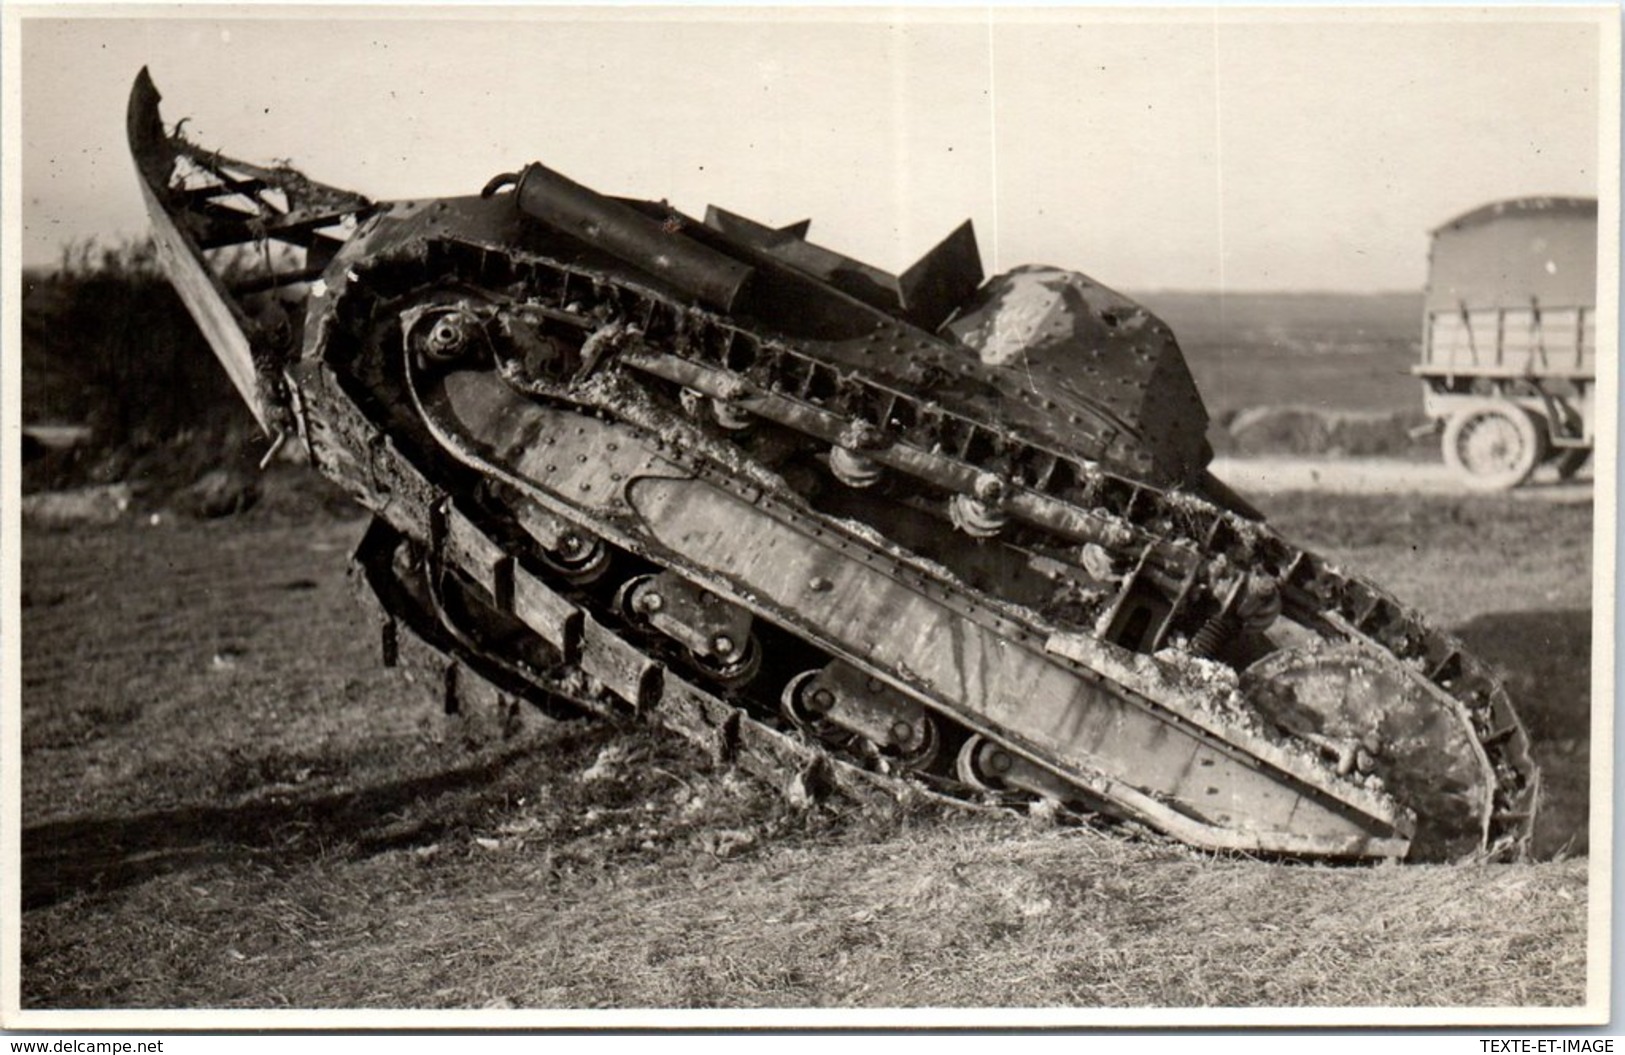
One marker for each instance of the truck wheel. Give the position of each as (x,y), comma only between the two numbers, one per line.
(1494,447)
(1570,461)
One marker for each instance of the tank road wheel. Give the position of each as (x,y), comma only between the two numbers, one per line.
(578,560)
(918,755)
(841,705)
(623,604)
(806,707)
(989,767)
(1494,446)
(732,664)
(970,766)
(796,704)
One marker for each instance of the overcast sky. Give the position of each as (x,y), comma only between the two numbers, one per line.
(1186,149)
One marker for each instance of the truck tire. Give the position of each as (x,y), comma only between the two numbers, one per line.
(1494,446)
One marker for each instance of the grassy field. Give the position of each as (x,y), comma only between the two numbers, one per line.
(228,803)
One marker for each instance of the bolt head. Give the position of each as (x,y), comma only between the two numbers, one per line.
(989,488)
(447,336)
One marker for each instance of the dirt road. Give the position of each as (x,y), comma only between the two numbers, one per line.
(1378,476)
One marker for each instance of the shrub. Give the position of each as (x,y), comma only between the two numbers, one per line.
(108,344)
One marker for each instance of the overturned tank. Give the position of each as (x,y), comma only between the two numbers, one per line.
(883,536)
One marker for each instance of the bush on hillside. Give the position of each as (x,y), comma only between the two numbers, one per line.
(108,344)
(1315,431)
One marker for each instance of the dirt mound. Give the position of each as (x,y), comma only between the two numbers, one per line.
(1320,431)
(102,504)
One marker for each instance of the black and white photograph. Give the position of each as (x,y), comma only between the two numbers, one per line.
(799,517)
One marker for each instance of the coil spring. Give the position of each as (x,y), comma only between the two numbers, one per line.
(1215,634)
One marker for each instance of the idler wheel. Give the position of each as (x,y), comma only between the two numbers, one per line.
(447,338)
(442,333)
(1363,712)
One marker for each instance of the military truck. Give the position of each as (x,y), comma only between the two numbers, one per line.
(1509,338)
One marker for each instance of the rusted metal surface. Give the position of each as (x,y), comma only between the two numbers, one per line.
(917,536)
(215,313)
(654,246)
(205,201)
(1088,353)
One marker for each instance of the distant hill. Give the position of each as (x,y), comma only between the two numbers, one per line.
(1211,318)
(1328,351)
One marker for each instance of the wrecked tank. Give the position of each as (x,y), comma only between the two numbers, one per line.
(885,536)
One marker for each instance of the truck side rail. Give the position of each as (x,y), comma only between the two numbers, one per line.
(1557,341)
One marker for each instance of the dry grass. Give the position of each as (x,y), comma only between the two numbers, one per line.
(227,804)
(930,913)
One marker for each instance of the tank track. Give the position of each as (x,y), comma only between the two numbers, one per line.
(1050,501)
(419,633)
